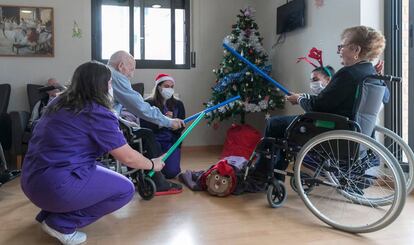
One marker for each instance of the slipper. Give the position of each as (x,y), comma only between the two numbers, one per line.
(173,188)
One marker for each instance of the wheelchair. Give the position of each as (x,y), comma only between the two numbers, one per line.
(144,185)
(401,151)
(6,175)
(346,178)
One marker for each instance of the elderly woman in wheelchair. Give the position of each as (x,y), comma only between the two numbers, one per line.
(341,172)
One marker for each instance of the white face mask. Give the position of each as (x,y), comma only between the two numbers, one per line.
(111,92)
(316,87)
(166,92)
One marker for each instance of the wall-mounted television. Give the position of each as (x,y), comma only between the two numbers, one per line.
(290,16)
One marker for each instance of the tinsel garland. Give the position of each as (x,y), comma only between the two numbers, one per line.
(235,77)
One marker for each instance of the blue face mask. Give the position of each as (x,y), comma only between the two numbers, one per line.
(316,87)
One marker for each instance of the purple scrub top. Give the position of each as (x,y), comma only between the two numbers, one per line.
(66,143)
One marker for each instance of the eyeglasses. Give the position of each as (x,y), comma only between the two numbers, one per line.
(341,46)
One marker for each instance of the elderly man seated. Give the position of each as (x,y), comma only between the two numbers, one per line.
(52,88)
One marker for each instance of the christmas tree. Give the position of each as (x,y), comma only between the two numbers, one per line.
(235,78)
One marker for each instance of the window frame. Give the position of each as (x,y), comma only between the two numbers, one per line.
(96,26)
(393,63)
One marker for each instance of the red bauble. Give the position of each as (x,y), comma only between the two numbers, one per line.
(216,125)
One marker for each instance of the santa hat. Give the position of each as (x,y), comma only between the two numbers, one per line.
(163,77)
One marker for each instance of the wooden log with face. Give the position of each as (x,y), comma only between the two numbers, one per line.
(219,185)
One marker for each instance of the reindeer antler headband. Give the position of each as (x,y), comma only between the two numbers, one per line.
(315,54)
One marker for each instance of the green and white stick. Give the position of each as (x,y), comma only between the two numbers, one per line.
(178,142)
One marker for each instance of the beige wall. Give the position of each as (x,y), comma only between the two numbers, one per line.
(211,21)
(69,52)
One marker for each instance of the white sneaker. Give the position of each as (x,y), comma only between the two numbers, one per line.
(75,238)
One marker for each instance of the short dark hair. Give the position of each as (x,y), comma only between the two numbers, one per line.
(89,84)
(323,70)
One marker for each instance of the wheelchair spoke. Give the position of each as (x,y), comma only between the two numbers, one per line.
(354,192)
(320,154)
(401,150)
(333,160)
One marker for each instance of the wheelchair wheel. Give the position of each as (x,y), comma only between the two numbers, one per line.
(401,151)
(276,194)
(348,184)
(145,186)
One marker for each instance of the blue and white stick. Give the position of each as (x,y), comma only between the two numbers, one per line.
(256,69)
(209,109)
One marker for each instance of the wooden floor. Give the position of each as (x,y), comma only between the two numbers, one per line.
(197,218)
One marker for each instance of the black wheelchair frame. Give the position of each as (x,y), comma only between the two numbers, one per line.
(314,127)
(144,185)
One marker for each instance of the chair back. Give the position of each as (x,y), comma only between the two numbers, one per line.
(34,95)
(369,96)
(5,90)
(139,87)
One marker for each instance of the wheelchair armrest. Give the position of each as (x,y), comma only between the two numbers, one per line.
(128,124)
(323,116)
(323,120)
(19,120)
(308,125)
(130,130)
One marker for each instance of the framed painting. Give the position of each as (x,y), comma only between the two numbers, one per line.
(26,31)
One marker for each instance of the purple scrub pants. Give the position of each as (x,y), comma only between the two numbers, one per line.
(172,164)
(81,198)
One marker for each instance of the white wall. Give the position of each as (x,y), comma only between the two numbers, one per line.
(372,13)
(211,23)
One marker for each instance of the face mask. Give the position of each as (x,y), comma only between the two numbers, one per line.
(111,92)
(316,87)
(166,92)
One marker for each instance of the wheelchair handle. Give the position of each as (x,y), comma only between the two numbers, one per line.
(389,78)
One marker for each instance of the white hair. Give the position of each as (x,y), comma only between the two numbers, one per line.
(118,57)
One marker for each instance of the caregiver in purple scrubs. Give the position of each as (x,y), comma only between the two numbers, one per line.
(60,174)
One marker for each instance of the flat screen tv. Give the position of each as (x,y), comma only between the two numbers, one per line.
(290,16)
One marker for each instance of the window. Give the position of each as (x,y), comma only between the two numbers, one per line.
(155,32)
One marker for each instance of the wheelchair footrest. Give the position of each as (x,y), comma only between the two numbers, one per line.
(7,175)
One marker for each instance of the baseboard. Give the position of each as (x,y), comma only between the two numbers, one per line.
(201,148)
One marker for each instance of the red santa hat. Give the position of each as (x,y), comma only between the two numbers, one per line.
(163,77)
